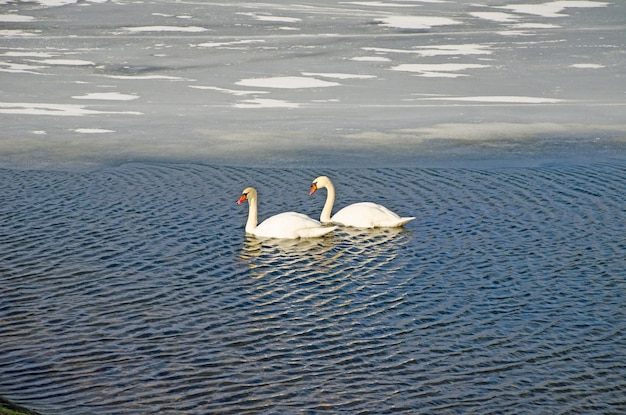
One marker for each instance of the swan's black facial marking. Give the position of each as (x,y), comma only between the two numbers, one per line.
(243,198)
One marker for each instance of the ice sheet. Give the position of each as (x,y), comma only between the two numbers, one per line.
(362,82)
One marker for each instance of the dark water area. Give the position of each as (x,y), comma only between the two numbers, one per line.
(133,289)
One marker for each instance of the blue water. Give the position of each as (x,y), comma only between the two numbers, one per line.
(133,289)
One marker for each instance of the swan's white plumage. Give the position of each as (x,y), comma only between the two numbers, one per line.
(288,225)
(358,215)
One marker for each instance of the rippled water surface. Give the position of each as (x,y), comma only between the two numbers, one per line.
(134,289)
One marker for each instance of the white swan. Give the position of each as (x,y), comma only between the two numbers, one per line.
(288,225)
(358,215)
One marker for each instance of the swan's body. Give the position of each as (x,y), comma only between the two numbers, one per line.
(288,225)
(358,215)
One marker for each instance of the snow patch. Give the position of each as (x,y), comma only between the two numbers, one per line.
(271,18)
(416,22)
(149,77)
(54,109)
(552,9)
(377,4)
(499,17)
(233,43)
(586,66)
(17,33)
(92,131)
(444,70)
(266,103)
(440,50)
(236,92)
(338,75)
(286,82)
(185,29)
(16,18)
(107,96)
(370,59)
(66,62)
(20,68)
(27,54)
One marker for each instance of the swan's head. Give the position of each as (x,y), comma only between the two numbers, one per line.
(319,183)
(248,193)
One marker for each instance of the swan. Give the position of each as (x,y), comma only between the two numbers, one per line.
(358,215)
(288,225)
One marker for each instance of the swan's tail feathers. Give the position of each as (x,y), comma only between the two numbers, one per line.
(406,220)
(397,223)
(316,232)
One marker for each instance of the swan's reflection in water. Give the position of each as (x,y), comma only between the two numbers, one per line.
(347,252)
(311,297)
(307,300)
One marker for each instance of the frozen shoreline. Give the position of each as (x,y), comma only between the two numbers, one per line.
(11,408)
(445,145)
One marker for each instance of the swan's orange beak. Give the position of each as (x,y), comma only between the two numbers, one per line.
(313,188)
(242,199)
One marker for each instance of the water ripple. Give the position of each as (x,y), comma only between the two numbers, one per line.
(135,290)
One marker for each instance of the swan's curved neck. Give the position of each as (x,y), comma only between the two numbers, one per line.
(252,215)
(328,205)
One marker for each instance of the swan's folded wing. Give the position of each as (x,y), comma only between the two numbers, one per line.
(291,225)
(315,232)
(368,215)
(396,223)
